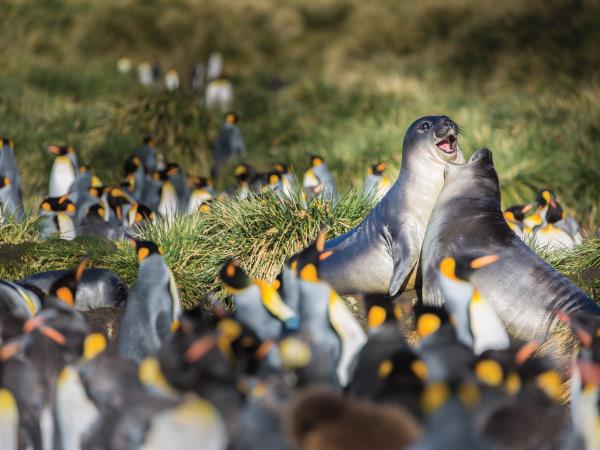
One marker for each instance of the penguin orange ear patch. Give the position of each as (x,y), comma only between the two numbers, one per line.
(66,295)
(381,166)
(434,397)
(276,285)
(309,273)
(376,316)
(46,206)
(428,324)
(385,368)
(489,371)
(230,270)
(469,394)
(419,368)
(143,253)
(93,345)
(71,208)
(551,383)
(448,267)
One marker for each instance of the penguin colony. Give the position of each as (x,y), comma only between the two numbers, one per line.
(289,366)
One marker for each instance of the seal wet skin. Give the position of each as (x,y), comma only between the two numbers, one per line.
(380,254)
(523,289)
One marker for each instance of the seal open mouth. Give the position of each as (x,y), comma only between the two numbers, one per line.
(448,144)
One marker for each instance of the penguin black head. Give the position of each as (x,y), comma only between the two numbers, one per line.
(438,393)
(499,369)
(377,169)
(145,249)
(132,164)
(58,204)
(516,212)
(96,191)
(200,182)
(84,168)
(381,309)
(233,276)
(142,213)
(273,178)
(172,169)
(205,206)
(231,118)
(316,160)
(555,212)
(309,259)
(6,142)
(462,266)
(148,141)
(65,287)
(61,150)
(244,172)
(95,211)
(545,197)
(281,168)
(4,181)
(429,319)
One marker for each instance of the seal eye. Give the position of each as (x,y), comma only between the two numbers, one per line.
(425,126)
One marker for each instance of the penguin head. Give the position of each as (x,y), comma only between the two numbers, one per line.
(436,136)
(554,213)
(172,169)
(309,259)
(516,213)
(244,172)
(281,168)
(205,206)
(144,249)
(429,319)
(231,118)
(234,278)
(132,164)
(499,369)
(381,309)
(200,182)
(273,178)
(140,213)
(540,376)
(58,204)
(545,197)
(65,287)
(4,181)
(95,212)
(6,142)
(148,141)
(96,191)
(377,169)
(403,369)
(316,160)
(61,150)
(455,273)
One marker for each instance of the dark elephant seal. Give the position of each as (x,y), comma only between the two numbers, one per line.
(523,289)
(380,254)
(98,288)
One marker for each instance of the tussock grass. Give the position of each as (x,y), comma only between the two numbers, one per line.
(259,233)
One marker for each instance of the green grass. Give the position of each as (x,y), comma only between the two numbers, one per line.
(519,77)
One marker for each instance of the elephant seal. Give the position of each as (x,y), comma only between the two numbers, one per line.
(380,254)
(524,290)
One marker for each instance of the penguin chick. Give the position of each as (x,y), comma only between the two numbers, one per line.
(59,212)
(477,324)
(63,171)
(153,307)
(321,419)
(376,183)
(318,180)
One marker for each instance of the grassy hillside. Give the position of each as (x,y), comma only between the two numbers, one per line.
(519,77)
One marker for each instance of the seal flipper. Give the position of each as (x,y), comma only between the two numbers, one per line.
(405,255)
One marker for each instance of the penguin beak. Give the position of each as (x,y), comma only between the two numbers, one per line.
(54,149)
(199,348)
(526,208)
(483,261)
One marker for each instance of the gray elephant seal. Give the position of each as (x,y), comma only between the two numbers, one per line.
(380,254)
(523,289)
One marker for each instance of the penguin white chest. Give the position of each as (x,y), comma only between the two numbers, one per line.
(168,200)
(61,177)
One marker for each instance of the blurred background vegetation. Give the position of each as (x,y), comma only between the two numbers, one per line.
(521,78)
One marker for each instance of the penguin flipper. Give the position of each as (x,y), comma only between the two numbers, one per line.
(431,294)
(405,253)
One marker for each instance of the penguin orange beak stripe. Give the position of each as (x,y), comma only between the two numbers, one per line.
(323,256)
(9,350)
(199,348)
(33,324)
(53,335)
(483,261)
(527,351)
(526,208)
(590,372)
(264,348)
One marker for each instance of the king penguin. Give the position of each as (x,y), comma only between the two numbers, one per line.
(59,213)
(147,155)
(153,306)
(377,184)
(229,144)
(549,234)
(64,170)
(477,324)
(324,316)
(201,192)
(318,180)
(9,169)
(10,205)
